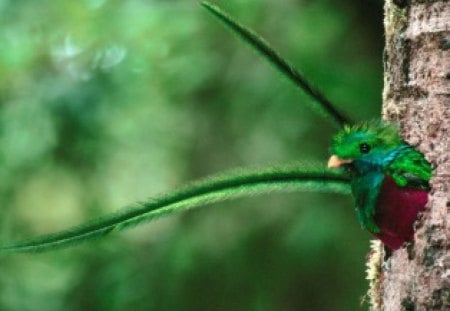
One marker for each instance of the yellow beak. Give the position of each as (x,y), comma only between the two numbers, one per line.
(334,161)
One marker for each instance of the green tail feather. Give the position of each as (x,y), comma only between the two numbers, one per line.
(211,190)
(282,65)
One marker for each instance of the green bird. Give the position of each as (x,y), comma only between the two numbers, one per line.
(389,179)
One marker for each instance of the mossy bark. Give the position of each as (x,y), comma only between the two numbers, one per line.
(417,97)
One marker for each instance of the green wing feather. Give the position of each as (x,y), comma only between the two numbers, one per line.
(365,190)
(410,169)
(221,188)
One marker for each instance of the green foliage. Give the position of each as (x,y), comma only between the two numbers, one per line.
(103,103)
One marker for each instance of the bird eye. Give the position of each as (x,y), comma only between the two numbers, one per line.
(364,148)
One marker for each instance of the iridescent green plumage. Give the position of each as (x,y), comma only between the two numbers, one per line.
(374,153)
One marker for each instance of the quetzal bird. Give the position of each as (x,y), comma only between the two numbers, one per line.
(389,179)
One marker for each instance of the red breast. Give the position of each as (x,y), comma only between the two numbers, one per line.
(396,212)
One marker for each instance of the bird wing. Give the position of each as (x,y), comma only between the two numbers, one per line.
(366,189)
(410,169)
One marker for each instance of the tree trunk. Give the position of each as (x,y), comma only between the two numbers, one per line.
(417,97)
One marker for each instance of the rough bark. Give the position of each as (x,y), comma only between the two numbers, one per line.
(417,97)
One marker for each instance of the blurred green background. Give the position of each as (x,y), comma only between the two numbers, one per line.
(105,103)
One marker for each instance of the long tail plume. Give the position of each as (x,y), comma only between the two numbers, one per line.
(211,190)
(258,43)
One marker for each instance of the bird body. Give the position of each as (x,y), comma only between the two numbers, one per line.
(396,211)
(389,179)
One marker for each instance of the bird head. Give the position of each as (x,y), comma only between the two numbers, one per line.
(364,145)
